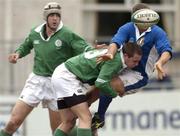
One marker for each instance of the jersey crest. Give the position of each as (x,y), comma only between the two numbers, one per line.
(58,44)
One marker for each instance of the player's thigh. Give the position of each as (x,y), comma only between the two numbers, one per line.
(77,103)
(20,110)
(82,110)
(130,78)
(92,96)
(33,91)
(66,115)
(54,117)
(66,84)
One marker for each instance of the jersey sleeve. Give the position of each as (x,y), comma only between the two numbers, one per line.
(122,34)
(108,70)
(79,45)
(25,48)
(162,42)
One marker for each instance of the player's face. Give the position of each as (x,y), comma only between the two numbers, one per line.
(53,21)
(131,62)
(142,28)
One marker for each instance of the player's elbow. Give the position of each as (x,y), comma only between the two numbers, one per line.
(117,85)
(99,85)
(106,89)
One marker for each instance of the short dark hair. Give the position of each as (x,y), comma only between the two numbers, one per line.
(139,6)
(132,48)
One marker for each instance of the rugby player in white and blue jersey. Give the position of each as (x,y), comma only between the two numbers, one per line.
(156,52)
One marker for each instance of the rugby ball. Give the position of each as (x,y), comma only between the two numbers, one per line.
(146,17)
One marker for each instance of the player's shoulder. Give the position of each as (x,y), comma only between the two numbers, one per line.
(37,28)
(117,61)
(65,29)
(157,29)
(66,32)
(128,25)
(117,58)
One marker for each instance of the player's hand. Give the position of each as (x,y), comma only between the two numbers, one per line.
(104,57)
(100,46)
(13,57)
(160,71)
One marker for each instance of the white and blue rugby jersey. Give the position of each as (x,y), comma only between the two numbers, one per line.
(153,41)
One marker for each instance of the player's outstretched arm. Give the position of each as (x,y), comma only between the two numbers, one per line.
(165,56)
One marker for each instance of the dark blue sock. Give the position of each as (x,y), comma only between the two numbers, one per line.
(104,102)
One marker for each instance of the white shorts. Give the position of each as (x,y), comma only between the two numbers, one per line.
(39,89)
(132,80)
(65,83)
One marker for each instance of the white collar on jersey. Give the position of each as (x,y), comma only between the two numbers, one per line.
(122,58)
(138,35)
(38,28)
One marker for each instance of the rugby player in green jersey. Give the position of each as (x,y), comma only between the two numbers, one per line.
(53,43)
(68,82)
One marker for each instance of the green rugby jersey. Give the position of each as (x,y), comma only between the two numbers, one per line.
(86,69)
(51,52)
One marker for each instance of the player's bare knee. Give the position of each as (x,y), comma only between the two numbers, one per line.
(73,123)
(86,118)
(68,124)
